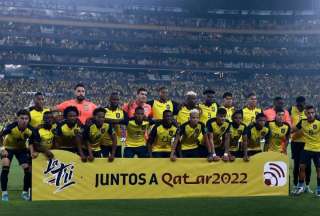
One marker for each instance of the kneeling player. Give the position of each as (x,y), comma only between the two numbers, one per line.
(161,137)
(188,137)
(68,133)
(98,133)
(15,144)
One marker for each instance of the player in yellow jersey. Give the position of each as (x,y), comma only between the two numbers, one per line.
(310,130)
(254,135)
(188,137)
(97,133)
(279,133)
(114,115)
(136,128)
(162,104)
(218,135)
(37,111)
(190,104)
(69,133)
(250,110)
(236,131)
(44,141)
(13,142)
(297,113)
(162,136)
(209,108)
(228,105)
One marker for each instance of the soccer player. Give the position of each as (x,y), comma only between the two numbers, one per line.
(13,142)
(141,101)
(218,135)
(162,104)
(236,131)
(227,104)
(162,136)
(279,133)
(310,130)
(114,115)
(44,140)
(136,128)
(37,111)
(188,137)
(190,104)
(85,107)
(209,108)
(297,113)
(250,110)
(270,113)
(69,133)
(97,133)
(254,135)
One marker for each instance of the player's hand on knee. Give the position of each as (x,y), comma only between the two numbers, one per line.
(173,157)
(111,158)
(231,157)
(225,157)
(210,158)
(90,158)
(246,158)
(4,153)
(34,155)
(215,158)
(83,158)
(49,154)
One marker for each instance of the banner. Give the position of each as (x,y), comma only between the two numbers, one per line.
(67,178)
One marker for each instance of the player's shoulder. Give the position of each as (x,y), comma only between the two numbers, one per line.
(212,120)
(10,126)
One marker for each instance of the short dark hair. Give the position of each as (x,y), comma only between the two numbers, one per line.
(236,113)
(300,99)
(70,109)
(222,111)
(279,110)
(23,112)
(277,98)
(98,110)
(251,94)
(114,94)
(139,108)
(308,107)
(208,91)
(48,113)
(260,115)
(79,85)
(38,94)
(141,89)
(227,94)
(162,88)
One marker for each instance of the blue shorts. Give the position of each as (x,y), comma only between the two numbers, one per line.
(237,154)
(161,154)
(107,150)
(191,153)
(203,151)
(96,154)
(141,152)
(22,155)
(296,149)
(307,156)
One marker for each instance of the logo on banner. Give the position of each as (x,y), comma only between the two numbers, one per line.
(59,174)
(275,174)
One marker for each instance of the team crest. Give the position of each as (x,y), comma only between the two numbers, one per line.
(263,133)
(117,115)
(168,107)
(102,130)
(171,133)
(86,107)
(283,130)
(314,126)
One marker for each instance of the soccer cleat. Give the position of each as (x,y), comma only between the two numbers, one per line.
(25,196)
(307,189)
(298,191)
(5,197)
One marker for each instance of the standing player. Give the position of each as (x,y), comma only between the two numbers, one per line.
(84,107)
(227,104)
(188,137)
(297,143)
(278,104)
(218,135)
(256,134)
(162,136)
(209,108)
(13,142)
(141,101)
(162,104)
(250,110)
(236,131)
(37,111)
(279,134)
(136,128)
(310,130)
(114,115)
(190,104)
(68,133)
(98,133)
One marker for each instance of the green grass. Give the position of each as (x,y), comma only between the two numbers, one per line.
(305,204)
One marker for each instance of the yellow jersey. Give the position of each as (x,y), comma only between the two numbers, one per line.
(208,112)
(117,114)
(255,136)
(136,133)
(36,116)
(249,115)
(46,136)
(190,136)
(16,139)
(161,137)
(183,115)
(159,107)
(296,117)
(98,136)
(230,111)
(311,134)
(218,131)
(67,134)
(236,132)
(279,134)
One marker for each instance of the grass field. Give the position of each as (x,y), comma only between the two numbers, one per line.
(306,204)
